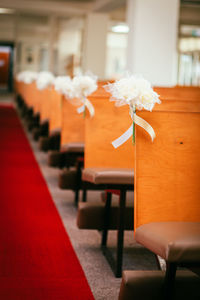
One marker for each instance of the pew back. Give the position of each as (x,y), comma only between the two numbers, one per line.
(55,104)
(72,125)
(179,92)
(44,103)
(167,171)
(108,123)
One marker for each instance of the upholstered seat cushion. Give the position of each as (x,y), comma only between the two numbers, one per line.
(67,179)
(54,158)
(173,241)
(51,142)
(58,158)
(108,175)
(139,285)
(115,197)
(44,143)
(56,131)
(42,130)
(36,133)
(91,215)
(73,147)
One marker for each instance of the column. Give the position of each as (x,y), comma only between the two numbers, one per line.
(152,40)
(53,34)
(94,44)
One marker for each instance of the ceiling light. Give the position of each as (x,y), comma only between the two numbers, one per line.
(121,28)
(6,10)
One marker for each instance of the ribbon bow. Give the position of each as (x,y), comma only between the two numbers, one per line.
(131,130)
(88,104)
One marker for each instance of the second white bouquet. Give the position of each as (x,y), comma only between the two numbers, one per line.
(83,86)
(64,86)
(44,80)
(138,94)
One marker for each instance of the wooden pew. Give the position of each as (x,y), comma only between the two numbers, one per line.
(178,92)
(108,124)
(72,125)
(166,197)
(113,168)
(71,148)
(167,170)
(55,104)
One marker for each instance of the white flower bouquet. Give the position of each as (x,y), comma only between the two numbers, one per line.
(83,86)
(64,86)
(44,80)
(27,76)
(138,94)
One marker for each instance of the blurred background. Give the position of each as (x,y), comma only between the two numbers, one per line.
(158,38)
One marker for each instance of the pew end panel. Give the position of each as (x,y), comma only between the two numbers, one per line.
(55,110)
(167,171)
(72,125)
(107,125)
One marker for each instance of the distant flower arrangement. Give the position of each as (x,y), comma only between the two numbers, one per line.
(64,86)
(44,80)
(27,76)
(138,94)
(84,85)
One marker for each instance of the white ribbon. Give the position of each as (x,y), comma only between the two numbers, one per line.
(128,133)
(89,106)
(81,109)
(123,138)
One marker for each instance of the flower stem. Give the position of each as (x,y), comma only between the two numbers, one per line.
(84,112)
(133,138)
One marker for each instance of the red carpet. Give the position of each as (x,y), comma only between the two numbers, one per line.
(37,261)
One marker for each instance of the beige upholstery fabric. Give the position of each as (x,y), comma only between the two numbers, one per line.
(55,132)
(91,215)
(147,285)
(67,179)
(108,175)
(73,147)
(173,241)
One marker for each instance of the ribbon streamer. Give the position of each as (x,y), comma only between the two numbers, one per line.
(123,138)
(145,125)
(89,106)
(81,109)
(127,134)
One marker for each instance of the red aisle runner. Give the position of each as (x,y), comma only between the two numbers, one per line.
(37,261)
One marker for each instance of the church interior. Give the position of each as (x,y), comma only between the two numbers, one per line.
(99,149)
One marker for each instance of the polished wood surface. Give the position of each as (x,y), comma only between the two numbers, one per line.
(72,128)
(55,120)
(178,92)
(44,103)
(167,171)
(107,125)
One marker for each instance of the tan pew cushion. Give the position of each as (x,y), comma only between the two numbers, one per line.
(147,285)
(55,132)
(73,147)
(173,241)
(91,215)
(108,175)
(67,179)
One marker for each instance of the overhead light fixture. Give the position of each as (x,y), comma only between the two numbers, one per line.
(6,10)
(120,28)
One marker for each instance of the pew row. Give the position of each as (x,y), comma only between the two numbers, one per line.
(167,207)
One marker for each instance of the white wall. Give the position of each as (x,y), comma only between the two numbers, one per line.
(69,44)
(95,39)
(116,55)
(152,46)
